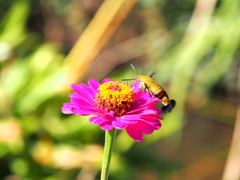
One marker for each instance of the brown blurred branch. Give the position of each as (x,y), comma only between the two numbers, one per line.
(232,168)
(191,45)
(201,18)
(96,35)
(127,50)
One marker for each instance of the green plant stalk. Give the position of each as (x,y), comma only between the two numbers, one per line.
(110,137)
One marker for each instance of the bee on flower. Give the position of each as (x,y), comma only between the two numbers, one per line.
(116,105)
(147,83)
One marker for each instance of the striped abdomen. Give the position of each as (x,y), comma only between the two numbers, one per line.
(148,83)
(162,95)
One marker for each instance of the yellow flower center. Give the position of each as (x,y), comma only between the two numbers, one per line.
(115,97)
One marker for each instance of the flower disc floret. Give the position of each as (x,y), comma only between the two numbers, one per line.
(115,97)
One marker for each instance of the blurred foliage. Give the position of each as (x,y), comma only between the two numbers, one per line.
(192,45)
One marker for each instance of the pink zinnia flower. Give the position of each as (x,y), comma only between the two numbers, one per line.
(116,105)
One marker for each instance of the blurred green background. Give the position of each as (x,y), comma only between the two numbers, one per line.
(192,45)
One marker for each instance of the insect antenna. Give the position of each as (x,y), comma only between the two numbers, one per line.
(128,79)
(151,75)
(134,69)
(131,78)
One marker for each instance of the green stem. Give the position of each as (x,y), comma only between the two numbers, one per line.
(110,137)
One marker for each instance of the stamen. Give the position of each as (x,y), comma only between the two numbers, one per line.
(116,97)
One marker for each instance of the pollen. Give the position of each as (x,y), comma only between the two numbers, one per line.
(116,97)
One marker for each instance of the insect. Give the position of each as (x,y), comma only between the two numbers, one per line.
(147,83)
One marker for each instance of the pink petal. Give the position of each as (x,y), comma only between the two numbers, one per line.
(73,95)
(83,93)
(98,120)
(67,108)
(137,109)
(90,91)
(80,103)
(148,101)
(134,133)
(94,84)
(105,122)
(152,117)
(143,103)
(111,115)
(106,80)
(118,124)
(144,127)
(146,110)
(136,87)
(130,119)
(138,96)
(76,88)
(151,102)
(156,124)
(151,110)
(106,126)
(85,112)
